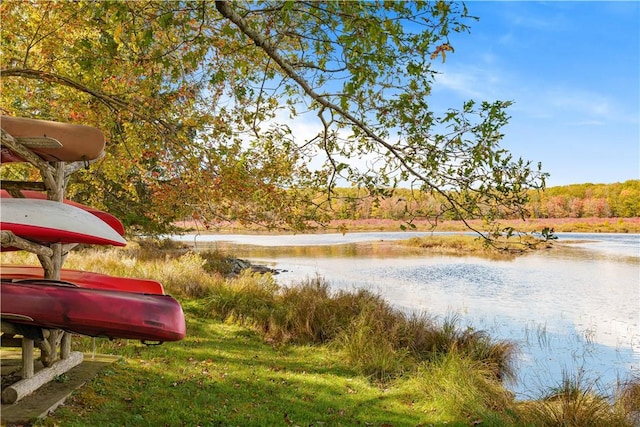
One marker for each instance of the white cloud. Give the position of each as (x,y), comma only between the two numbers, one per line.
(472,82)
(579,101)
(575,105)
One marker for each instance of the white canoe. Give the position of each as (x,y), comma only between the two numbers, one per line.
(47,221)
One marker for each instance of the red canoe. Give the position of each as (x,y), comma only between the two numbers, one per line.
(94,312)
(85,279)
(76,142)
(111,220)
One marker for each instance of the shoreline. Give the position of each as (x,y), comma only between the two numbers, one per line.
(559,225)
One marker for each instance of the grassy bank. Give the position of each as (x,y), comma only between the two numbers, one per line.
(257,354)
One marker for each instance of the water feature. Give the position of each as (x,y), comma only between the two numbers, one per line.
(574,309)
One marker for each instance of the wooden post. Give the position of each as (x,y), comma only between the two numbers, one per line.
(27,358)
(65,345)
(55,182)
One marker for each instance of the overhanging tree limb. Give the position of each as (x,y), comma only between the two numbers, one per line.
(262,42)
(224,7)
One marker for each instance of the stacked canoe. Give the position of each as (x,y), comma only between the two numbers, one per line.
(80,302)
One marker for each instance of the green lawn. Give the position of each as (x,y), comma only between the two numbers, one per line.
(227,375)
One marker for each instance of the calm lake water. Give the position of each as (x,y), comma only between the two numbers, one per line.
(572,310)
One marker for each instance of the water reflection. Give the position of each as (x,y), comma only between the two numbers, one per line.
(572,309)
(299,239)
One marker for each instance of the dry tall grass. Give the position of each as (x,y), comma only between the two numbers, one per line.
(577,403)
(379,340)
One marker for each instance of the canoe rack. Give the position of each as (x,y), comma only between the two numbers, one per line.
(55,176)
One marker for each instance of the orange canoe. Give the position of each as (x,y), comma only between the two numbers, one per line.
(76,142)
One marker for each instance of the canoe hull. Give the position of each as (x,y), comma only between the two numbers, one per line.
(111,220)
(93,312)
(78,142)
(85,279)
(47,221)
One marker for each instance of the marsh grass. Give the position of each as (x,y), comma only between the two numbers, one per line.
(379,340)
(544,340)
(448,244)
(371,342)
(628,399)
(456,387)
(467,245)
(576,402)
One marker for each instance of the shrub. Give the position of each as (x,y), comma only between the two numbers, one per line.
(217,262)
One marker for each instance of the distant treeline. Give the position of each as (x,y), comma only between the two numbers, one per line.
(618,200)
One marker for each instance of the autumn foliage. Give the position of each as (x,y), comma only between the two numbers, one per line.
(617,200)
(201,101)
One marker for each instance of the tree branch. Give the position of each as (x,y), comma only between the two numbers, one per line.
(224,7)
(112,102)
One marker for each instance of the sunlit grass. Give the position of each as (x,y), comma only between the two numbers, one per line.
(454,387)
(627,399)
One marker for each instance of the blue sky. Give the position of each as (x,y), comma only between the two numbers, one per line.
(573,70)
